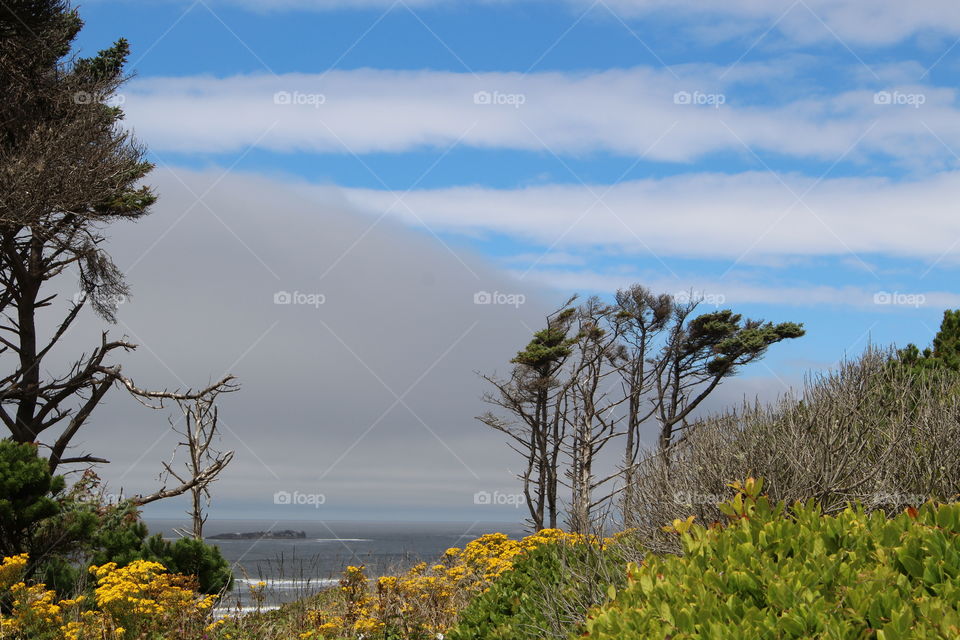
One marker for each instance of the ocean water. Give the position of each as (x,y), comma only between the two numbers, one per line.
(295,569)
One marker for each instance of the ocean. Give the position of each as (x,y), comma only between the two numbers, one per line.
(297,568)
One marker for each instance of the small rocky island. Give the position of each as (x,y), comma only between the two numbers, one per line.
(286,534)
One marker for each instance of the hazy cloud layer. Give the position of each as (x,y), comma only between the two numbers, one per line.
(317,413)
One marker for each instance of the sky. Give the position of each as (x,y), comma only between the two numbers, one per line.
(423,180)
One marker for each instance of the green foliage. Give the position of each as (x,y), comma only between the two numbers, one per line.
(25,495)
(192,557)
(549,346)
(728,342)
(775,572)
(124,539)
(531,600)
(945,353)
(66,530)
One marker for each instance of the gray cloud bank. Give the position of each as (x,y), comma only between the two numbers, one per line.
(319,410)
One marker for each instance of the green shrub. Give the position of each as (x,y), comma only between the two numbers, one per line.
(66,529)
(544,595)
(124,539)
(26,487)
(774,572)
(192,557)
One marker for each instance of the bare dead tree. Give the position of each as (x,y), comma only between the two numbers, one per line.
(204,461)
(699,353)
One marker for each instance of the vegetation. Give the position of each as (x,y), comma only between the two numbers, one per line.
(858,535)
(884,435)
(945,351)
(64,530)
(68,171)
(140,600)
(545,595)
(598,372)
(774,572)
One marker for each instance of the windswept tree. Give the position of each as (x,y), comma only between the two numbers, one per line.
(601,371)
(68,171)
(592,410)
(640,317)
(533,398)
(699,353)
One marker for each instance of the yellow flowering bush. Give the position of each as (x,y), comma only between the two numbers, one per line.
(136,601)
(426,600)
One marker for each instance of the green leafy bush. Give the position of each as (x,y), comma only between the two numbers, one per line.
(775,572)
(544,595)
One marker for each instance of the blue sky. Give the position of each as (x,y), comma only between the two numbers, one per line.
(791,160)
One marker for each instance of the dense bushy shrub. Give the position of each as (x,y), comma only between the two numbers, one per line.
(778,572)
(871,431)
(65,529)
(545,595)
(26,487)
(192,557)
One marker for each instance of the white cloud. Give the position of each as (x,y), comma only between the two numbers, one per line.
(631,112)
(750,216)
